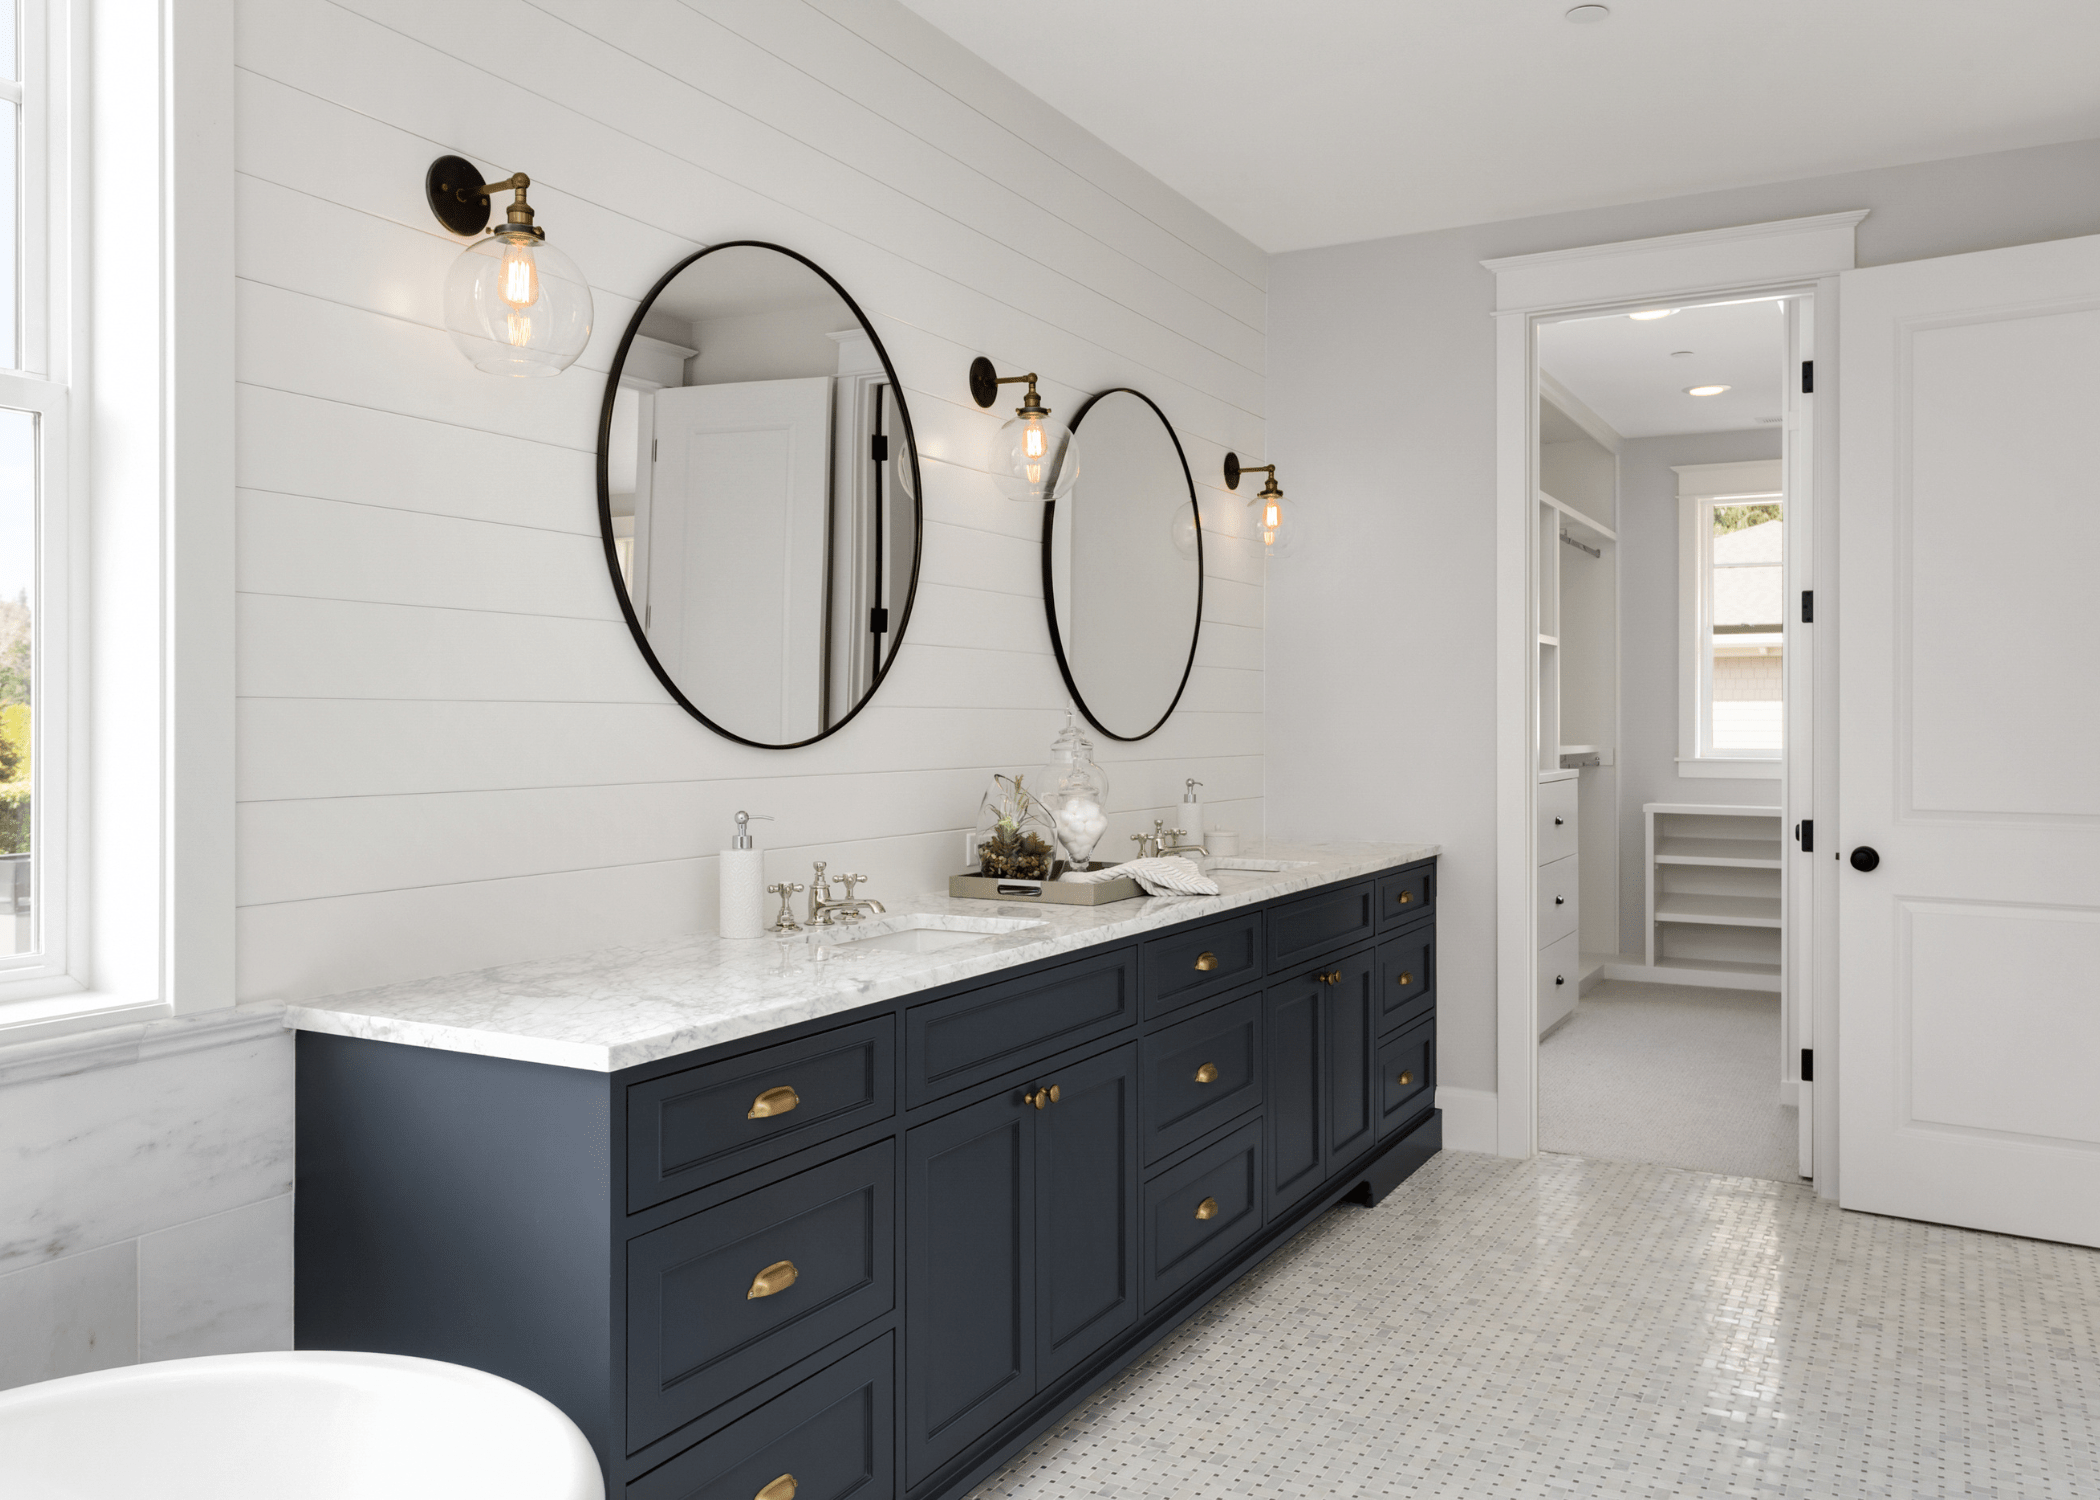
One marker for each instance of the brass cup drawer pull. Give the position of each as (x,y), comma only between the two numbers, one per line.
(1205,962)
(1042,1097)
(1207,1209)
(1406,1076)
(773,1102)
(1405,978)
(773,1280)
(782,1488)
(1208,1073)
(1407,898)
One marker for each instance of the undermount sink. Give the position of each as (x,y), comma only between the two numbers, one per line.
(1265,866)
(920,933)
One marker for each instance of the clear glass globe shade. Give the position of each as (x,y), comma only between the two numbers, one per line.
(517,307)
(1182,527)
(1033,458)
(1279,525)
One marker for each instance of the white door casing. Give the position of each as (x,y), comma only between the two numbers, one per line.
(1969,749)
(738,516)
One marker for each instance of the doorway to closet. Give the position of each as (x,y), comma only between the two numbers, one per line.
(1661,448)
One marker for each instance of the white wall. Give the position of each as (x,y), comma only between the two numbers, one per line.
(1648,629)
(1381,713)
(451,754)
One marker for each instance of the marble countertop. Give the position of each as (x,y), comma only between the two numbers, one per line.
(613,1008)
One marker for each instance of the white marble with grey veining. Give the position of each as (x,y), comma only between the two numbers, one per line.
(614,1008)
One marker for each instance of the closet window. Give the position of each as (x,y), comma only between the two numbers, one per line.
(1732,619)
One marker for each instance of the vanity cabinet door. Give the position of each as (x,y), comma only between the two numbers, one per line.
(1294,1019)
(970,1277)
(1086,1173)
(1351,1026)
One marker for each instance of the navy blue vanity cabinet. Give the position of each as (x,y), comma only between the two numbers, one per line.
(880,1252)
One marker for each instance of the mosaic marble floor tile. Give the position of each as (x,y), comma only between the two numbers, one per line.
(1568,1328)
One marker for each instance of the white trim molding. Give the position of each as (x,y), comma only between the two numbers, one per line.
(1469,1119)
(1676,265)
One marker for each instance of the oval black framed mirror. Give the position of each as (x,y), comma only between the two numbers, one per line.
(1123,568)
(758,494)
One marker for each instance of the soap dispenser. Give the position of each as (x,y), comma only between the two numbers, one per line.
(1191,814)
(743,883)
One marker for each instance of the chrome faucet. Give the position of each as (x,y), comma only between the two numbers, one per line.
(825,912)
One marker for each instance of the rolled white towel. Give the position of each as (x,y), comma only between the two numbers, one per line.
(1169,875)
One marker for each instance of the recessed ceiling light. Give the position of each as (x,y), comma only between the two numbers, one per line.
(1646,314)
(1704,390)
(1584,15)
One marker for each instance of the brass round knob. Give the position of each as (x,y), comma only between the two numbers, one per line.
(1207,1209)
(1406,977)
(1406,1076)
(1039,1098)
(1053,1093)
(1208,1073)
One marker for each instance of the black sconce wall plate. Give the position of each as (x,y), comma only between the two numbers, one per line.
(453,186)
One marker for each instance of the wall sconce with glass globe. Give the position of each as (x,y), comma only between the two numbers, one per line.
(1278,523)
(514,304)
(1030,457)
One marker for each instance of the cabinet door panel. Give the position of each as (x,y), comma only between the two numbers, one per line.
(1086,1179)
(698,1329)
(970,1230)
(1351,1024)
(1292,1016)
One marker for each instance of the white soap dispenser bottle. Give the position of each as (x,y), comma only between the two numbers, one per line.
(743,883)
(1190,816)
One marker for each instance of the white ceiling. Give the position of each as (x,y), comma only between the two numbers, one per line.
(1318,122)
(1634,374)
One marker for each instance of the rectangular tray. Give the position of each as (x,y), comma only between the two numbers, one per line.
(1052,892)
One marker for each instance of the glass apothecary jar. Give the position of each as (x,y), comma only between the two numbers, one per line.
(1074,789)
(1016,838)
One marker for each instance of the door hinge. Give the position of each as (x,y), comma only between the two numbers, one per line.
(1805,830)
(648,615)
(878,622)
(1808,1065)
(652,449)
(1808,606)
(1808,377)
(879,448)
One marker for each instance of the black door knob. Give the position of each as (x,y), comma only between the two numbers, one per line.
(1864,859)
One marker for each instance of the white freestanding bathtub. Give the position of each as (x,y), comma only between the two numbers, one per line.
(308,1425)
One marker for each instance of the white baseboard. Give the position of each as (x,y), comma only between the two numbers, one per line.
(1469,1118)
(1716,979)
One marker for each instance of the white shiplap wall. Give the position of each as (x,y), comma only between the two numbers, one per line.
(450,753)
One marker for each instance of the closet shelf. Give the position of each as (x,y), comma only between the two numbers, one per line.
(1719,911)
(1549,640)
(1577,518)
(1734,854)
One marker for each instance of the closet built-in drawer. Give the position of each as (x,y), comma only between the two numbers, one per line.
(950,1044)
(1405,984)
(1405,896)
(1406,1076)
(1560,981)
(1195,1213)
(832,1436)
(1559,891)
(1557,819)
(1200,1074)
(1319,925)
(1185,967)
(729,1297)
(688,1129)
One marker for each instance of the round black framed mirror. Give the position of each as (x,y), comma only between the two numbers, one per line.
(758,494)
(1123,568)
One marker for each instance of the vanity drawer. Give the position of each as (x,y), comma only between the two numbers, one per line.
(703,1323)
(833,1435)
(1224,1180)
(1557,819)
(1200,1074)
(965,1039)
(1406,979)
(1560,981)
(686,1130)
(1560,891)
(1406,1076)
(1319,925)
(1184,967)
(1405,896)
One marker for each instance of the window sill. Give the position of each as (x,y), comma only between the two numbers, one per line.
(32,1020)
(1732,770)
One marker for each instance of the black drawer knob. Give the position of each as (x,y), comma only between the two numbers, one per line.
(1865,859)
(1560,979)
(1557,822)
(1560,900)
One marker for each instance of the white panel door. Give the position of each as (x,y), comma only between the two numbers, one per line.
(738,517)
(1969,743)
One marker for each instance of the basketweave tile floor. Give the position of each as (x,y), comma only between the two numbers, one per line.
(1565,1327)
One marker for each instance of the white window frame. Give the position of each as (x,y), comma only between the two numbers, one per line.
(1700,487)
